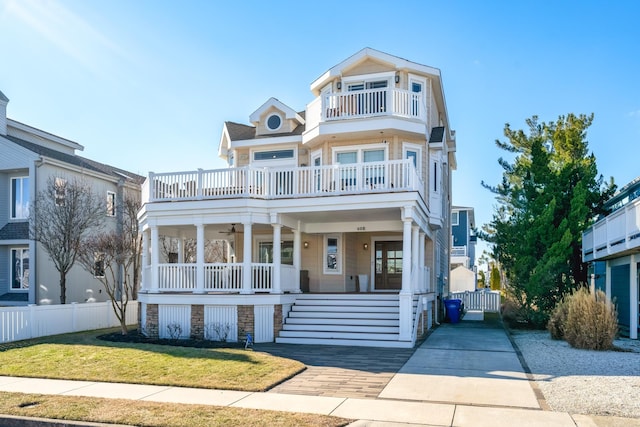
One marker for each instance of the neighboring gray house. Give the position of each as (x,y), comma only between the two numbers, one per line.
(611,246)
(28,158)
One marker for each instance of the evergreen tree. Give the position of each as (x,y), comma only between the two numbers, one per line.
(548,196)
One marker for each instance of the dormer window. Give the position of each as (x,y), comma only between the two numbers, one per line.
(274,121)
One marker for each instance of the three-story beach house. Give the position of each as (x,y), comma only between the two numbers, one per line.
(329,226)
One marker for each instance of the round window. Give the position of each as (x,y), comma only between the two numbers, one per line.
(274,121)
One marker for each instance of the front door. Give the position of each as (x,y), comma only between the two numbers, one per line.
(388,266)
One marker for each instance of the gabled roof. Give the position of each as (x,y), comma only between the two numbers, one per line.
(289,113)
(369,53)
(3,97)
(240,132)
(15,231)
(74,160)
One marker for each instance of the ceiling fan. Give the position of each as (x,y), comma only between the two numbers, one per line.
(230,231)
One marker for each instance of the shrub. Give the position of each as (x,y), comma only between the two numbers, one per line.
(591,322)
(558,319)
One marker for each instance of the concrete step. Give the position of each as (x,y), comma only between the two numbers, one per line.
(345,308)
(349,342)
(342,315)
(371,329)
(342,321)
(339,335)
(349,302)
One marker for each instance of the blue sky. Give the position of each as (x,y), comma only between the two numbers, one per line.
(147,85)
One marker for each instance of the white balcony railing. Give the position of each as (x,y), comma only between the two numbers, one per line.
(273,183)
(615,234)
(459,251)
(372,102)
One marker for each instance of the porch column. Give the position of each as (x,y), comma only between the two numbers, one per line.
(633,297)
(406,256)
(415,273)
(144,277)
(405,304)
(297,259)
(199,259)
(180,248)
(246,260)
(277,258)
(423,279)
(155,259)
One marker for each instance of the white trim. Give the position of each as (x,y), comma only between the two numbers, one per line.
(387,75)
(43,134)
(325,254)
(271,140)
(457,222)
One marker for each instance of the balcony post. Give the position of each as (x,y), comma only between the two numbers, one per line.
(247,287)
(145,261)
(633,297)
(277,258)
(153,192)
(415,274)
(421,239)
(199,185)
(297,257)
(406,256)
(155,258)
(199,259)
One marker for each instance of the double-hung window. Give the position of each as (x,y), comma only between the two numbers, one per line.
(20,197)
(111,203)
(19,269)
(362,167)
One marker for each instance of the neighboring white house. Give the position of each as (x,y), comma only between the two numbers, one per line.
(611,246)
(332,224)
(463,279)
(28,158)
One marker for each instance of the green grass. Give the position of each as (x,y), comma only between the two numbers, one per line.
(82,356)
(119,411)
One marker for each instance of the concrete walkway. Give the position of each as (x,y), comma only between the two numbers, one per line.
(466,374)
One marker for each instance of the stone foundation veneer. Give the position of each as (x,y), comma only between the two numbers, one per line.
(197,322)
(277,319)
(246,322)
(151,329)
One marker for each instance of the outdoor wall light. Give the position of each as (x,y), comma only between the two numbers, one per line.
(339,85)
(365,246)
(397,78)
(306,245)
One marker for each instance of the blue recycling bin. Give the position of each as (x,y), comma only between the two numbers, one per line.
(454,309)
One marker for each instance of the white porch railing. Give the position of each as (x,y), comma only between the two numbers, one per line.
(219,277)
(273,183)
(618,232)
(488,301)
(372,102)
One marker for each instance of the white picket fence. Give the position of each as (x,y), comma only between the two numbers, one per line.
(21,323)
(488,301)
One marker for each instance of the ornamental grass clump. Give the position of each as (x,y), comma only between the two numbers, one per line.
(591,320)
(558,319)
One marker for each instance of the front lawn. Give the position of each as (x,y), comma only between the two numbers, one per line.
(81,356)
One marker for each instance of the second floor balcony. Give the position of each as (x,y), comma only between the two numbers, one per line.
(616,235)
(275,183)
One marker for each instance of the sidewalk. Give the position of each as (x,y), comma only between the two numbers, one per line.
(466,374)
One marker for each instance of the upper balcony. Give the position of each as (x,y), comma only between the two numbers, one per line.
(616,235)
(387,108)
(276,183)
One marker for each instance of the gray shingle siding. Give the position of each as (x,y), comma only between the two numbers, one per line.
(15,231)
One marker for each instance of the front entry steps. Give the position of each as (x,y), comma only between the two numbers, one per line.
(370,320)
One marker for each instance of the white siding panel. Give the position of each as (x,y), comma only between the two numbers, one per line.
(263,315)
(221,323)
(14,156)
(173,316)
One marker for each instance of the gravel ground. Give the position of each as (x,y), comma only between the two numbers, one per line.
(584,381)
